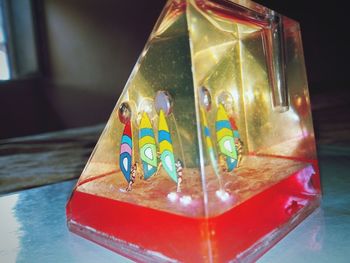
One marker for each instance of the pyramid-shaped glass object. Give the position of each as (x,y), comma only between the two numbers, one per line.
(209,154)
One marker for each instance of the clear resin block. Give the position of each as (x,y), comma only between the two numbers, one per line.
(209,154)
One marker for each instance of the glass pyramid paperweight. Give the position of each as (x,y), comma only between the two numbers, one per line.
(209,154)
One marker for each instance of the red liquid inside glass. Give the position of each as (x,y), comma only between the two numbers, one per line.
(221,238)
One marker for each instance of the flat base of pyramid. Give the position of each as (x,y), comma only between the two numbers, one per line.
(140,254)
(246,231)
(121,247)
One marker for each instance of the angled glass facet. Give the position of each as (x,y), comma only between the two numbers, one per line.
(209,154)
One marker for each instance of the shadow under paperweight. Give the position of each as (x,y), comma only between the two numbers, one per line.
(209,154)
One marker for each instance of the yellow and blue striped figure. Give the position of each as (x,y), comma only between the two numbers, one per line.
(147,146)
(225,138)
(166,147)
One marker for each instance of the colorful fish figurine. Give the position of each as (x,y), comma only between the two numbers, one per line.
(166,147)
(225,138)
(125,158)
(147,147)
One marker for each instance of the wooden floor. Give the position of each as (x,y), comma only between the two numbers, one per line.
(42,159)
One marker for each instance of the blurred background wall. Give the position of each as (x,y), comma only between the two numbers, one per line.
(87,49)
